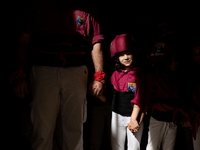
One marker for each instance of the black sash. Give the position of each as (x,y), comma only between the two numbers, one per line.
(166,116)
(121,103)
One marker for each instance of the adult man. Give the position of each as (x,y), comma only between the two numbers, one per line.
(59,34)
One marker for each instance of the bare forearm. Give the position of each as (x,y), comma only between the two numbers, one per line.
(97,57)
(96,87)
(135,113)
(22,49)
(133,125)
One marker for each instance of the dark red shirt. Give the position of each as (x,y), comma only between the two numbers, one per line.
(160,85)
(51,23)
(129,81)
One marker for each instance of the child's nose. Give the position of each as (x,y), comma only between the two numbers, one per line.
(125,56)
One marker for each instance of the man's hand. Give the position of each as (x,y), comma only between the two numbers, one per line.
(20,87)
(96,88)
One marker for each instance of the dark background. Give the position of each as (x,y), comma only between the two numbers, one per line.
(140,19)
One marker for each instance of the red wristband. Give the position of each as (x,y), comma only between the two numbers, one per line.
(100,76)
(18,74)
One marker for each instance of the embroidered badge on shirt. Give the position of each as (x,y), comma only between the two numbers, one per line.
(80,20)
(159,49)
(131,86)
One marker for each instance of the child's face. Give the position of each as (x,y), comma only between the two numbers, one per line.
(126,59)
(196,54)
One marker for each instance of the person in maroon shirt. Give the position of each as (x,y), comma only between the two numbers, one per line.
(59,36)
(127,81)
(162,88)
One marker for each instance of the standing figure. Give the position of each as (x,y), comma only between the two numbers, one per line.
(59,35)
(127,81)
(162,88)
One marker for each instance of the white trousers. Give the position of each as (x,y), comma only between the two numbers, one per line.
(58,93)
(161,134)
(119,132)
(196,143)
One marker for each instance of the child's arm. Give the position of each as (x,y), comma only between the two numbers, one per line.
(133,125)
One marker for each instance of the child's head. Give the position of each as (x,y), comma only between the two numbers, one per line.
(126,59)
(122,49)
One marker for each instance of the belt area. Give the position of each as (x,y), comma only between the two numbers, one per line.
(59,59)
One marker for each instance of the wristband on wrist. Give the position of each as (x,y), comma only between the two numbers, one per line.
(100,76)
(18,74)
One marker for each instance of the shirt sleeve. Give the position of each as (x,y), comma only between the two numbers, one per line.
(139,91)
(26,26)
(96,32)
(112,80)
(148,91)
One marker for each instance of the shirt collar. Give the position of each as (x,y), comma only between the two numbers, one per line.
(126,71)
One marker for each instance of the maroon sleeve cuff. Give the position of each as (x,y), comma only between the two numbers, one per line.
(97,39)
(135,101)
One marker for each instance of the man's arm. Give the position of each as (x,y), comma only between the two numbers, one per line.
(19,83)
(22,49)
(96,87)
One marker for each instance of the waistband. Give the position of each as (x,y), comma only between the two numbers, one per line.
(59,59)
(168,108)
(163,116)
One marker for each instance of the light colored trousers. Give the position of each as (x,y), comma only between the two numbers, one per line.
(58,93)
(196,143)
(161,134)
(119,132)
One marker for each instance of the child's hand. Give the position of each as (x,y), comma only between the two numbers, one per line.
(133,126)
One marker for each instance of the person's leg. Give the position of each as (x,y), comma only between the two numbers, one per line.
(118,132)
(155,134)
(169,136)
(73,84)
(97,123)
(138,135)
(108,114)
(45,106)
(133,140)
(196,143)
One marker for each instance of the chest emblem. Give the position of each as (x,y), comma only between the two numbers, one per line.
(131,86)
(80,20)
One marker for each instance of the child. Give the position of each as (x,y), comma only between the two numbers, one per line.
(126,104)
(162,96)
